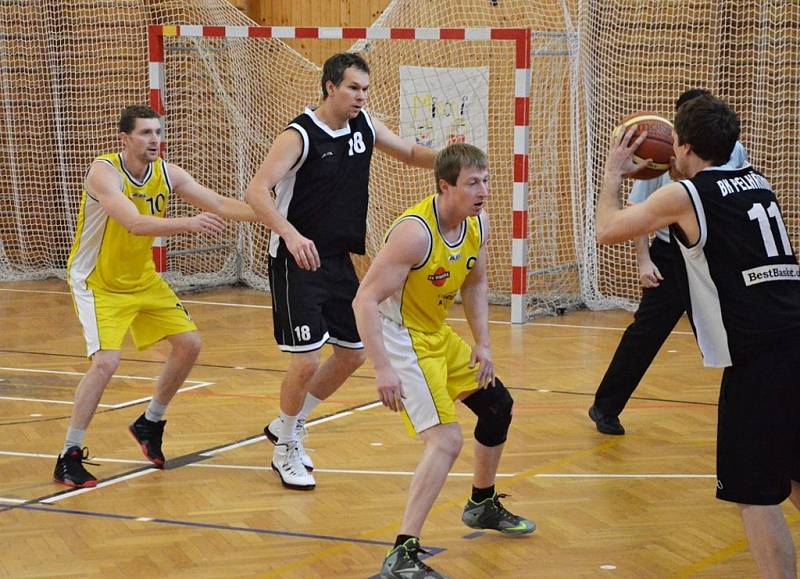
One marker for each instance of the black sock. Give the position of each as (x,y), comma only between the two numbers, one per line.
(479,495)
(402,539)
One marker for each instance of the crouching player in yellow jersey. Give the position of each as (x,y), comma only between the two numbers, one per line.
(431,251)
(114,283)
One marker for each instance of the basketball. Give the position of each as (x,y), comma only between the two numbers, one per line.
(656,146)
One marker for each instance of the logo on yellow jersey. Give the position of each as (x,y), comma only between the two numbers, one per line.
(439,277)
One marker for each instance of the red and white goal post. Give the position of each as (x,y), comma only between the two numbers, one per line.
(221,37)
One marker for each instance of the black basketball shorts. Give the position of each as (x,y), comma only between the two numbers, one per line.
(312,308)
(758,431)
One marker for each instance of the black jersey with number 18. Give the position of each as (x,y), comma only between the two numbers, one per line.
(744,280)
(325,194)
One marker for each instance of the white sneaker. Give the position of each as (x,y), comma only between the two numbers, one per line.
(286,464)
(272,429)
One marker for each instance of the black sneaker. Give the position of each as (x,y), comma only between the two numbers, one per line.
(605,423)
(69,468)
(148,435)
(403,562)
(491,514)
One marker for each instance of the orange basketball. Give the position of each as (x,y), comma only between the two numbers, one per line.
(656,146)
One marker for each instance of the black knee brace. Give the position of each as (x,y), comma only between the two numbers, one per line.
(492,406)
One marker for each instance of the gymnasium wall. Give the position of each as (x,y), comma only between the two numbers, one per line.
(354,13)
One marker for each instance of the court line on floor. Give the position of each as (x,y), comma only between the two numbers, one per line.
(223,304)
(148,398)
(161,362)
(626,475)
(310,424)
(192,458)
(593,393)
(53,456)
(722,555)
(33,291)
(106,483)
(195,385)
(340,470)
(214,526)
(370,377)
(71,373)
(376,472)
(498,322)
(187,460)
(102,460)
(45,401)
(18,504)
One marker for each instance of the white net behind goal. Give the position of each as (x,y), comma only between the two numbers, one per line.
(67,68)
(226,99)
(641,54)
(66,71)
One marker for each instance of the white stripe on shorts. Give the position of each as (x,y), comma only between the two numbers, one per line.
(418,402)
(304,347)
(87,314)
(348,345)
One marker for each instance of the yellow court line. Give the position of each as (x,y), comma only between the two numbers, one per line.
(721,555)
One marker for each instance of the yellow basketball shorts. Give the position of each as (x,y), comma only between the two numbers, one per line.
(434,371)
(151,314)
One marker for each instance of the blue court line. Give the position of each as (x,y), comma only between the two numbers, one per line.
(197,457)
(175,522)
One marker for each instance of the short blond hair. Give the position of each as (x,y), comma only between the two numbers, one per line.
(453,158)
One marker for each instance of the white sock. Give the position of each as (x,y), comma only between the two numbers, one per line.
(74,438)
(309,404)
(155,411)
(286,430)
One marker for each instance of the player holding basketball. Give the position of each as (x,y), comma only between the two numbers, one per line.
(744,285)
(432,251)
(662,276)
(114,283)
(319,169)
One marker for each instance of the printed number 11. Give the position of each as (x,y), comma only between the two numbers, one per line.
(757,212)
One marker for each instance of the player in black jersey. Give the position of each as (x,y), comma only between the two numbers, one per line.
(744,286)
(319,170)
(661,306)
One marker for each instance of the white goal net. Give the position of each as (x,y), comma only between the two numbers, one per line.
(641,54)
(67,68)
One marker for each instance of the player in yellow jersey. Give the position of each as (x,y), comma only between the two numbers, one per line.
(114,283)
(432,251)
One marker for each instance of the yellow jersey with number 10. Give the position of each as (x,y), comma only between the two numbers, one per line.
(432,285)
(105,255)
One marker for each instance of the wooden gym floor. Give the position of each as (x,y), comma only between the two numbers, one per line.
(640,505)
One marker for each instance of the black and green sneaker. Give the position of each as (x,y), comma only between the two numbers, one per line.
(403,562)
(491,514)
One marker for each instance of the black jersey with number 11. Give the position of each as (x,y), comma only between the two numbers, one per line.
(744,280)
